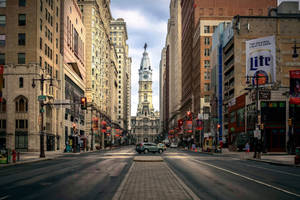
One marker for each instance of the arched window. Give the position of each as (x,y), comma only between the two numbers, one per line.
(21,104)
(3,106)
(145,86)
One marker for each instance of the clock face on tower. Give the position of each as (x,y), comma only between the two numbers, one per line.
(145,76)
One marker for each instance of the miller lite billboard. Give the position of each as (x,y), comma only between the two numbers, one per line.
(261,60)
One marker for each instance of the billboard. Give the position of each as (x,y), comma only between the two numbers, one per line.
(261,60)
(295,86)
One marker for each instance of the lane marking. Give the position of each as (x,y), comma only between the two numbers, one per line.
(248,178)
(287,173)
(5,197)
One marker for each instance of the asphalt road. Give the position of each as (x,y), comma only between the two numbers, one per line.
(98,175)
(224,177)
(86,176)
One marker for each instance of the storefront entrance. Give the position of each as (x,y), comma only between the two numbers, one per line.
(275,138)
(50,142)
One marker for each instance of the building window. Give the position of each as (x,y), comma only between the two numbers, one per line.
(2,124)
(21,82)
(22,39)
(206,75)
(2,3)
(21,58)
(21,124)
(41,43)
(21,105)
(41,61)
(2,20)
(206,64)
(22,3)
(214,28)
(250,12)
(206,52)
(22,19)
(2,40)
(206,87)
(3,106)
(221,12)
(206,29)
(2,59)
(206,40)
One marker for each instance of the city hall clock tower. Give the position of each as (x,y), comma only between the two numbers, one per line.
(145,106)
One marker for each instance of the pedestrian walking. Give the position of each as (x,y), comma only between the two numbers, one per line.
(255,147)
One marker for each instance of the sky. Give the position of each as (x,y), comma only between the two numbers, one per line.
(146,21)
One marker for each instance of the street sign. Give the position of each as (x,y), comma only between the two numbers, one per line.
(41,97)
(64,103)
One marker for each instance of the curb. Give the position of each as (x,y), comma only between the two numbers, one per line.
(25,162)
(145,159)
(273,163)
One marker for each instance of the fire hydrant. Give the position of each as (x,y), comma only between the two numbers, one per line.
(14,154)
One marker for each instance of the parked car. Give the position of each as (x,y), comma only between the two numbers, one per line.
(163,146)
(148,147)
(174,145)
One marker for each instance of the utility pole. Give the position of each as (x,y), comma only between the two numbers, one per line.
(41,100)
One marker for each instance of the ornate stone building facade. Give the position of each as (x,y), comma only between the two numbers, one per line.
(145,125)
(29,49)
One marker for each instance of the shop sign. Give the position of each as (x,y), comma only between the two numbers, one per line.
(264,95)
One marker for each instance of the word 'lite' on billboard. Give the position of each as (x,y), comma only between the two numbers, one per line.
(261,60)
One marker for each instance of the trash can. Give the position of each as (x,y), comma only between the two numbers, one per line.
(297,157)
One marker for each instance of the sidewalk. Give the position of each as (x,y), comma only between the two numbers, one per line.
(278,158)
(151,178)
(29,157)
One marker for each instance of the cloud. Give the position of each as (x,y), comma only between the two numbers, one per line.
(146,22)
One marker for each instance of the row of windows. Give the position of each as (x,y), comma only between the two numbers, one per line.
(22,3)
(21,104)
(21,20)
(209,29)
(21,39)
(21,58)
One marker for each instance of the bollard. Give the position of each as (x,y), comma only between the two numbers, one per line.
(14,154)
(18,156)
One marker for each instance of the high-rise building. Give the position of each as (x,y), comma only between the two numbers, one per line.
(97,17)
(199,20)
(162,68)
(173,43)
(118,36)
(29,52)
(72,48)
(145,124)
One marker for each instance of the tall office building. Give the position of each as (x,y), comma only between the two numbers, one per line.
(118,36)
(29,51)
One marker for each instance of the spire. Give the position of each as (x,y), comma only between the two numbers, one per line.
(145,62)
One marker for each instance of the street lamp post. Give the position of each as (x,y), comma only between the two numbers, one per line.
(257,111)
(41,100)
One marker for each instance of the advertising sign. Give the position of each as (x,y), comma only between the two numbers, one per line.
(261,60)
(295,87)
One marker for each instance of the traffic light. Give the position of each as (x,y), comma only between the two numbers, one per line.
(180,123)
(83,103)
(218,126)
(189,115)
